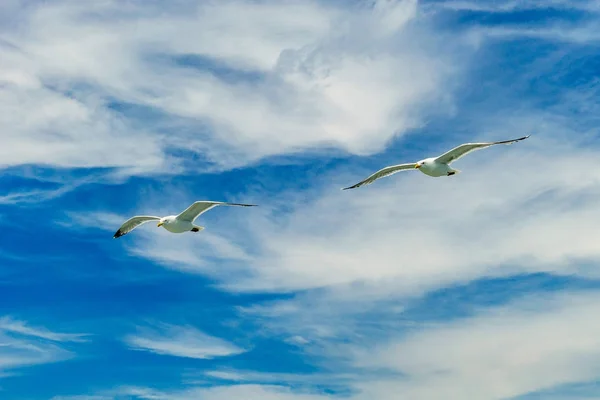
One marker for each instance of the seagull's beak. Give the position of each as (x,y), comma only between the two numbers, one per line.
(160,224)
(417,166)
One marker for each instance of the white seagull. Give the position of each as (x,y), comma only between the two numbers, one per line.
(433,166)
(183,222)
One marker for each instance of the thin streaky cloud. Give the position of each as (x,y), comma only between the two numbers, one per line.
(513,5)
(180,341)
(24,346)
(10,325)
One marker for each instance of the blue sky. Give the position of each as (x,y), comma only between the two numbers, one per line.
(480,286)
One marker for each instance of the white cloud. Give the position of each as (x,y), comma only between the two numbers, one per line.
(262,377)
(180,341)
(42,125)
(24,345)
(514,5)
(532,344)
(538,342)
(350,78)
(568,29)
(11,325)
(83,397)
(246,392)
(102,220)
(36,195)
(581,33)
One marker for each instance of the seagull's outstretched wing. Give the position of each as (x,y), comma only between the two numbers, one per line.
(466,148)
(133,223)
(199,207)
(383,173)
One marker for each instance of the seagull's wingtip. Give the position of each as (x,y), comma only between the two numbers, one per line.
(238,204)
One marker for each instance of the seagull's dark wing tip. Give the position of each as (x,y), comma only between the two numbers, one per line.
(118,234)
(511,141)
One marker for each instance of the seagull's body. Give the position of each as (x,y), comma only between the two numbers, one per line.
(433,166)
(184,222)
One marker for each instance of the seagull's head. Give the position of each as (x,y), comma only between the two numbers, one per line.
(166,220)
(419,164)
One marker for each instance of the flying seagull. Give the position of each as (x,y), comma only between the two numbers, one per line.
(183,222)
(434,166)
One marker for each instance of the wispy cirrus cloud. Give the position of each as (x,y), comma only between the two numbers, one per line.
(247,392)
(557,21)
(538,343)
(84,397)
(14,326)
(180,341)
(24,345)
(491,6)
